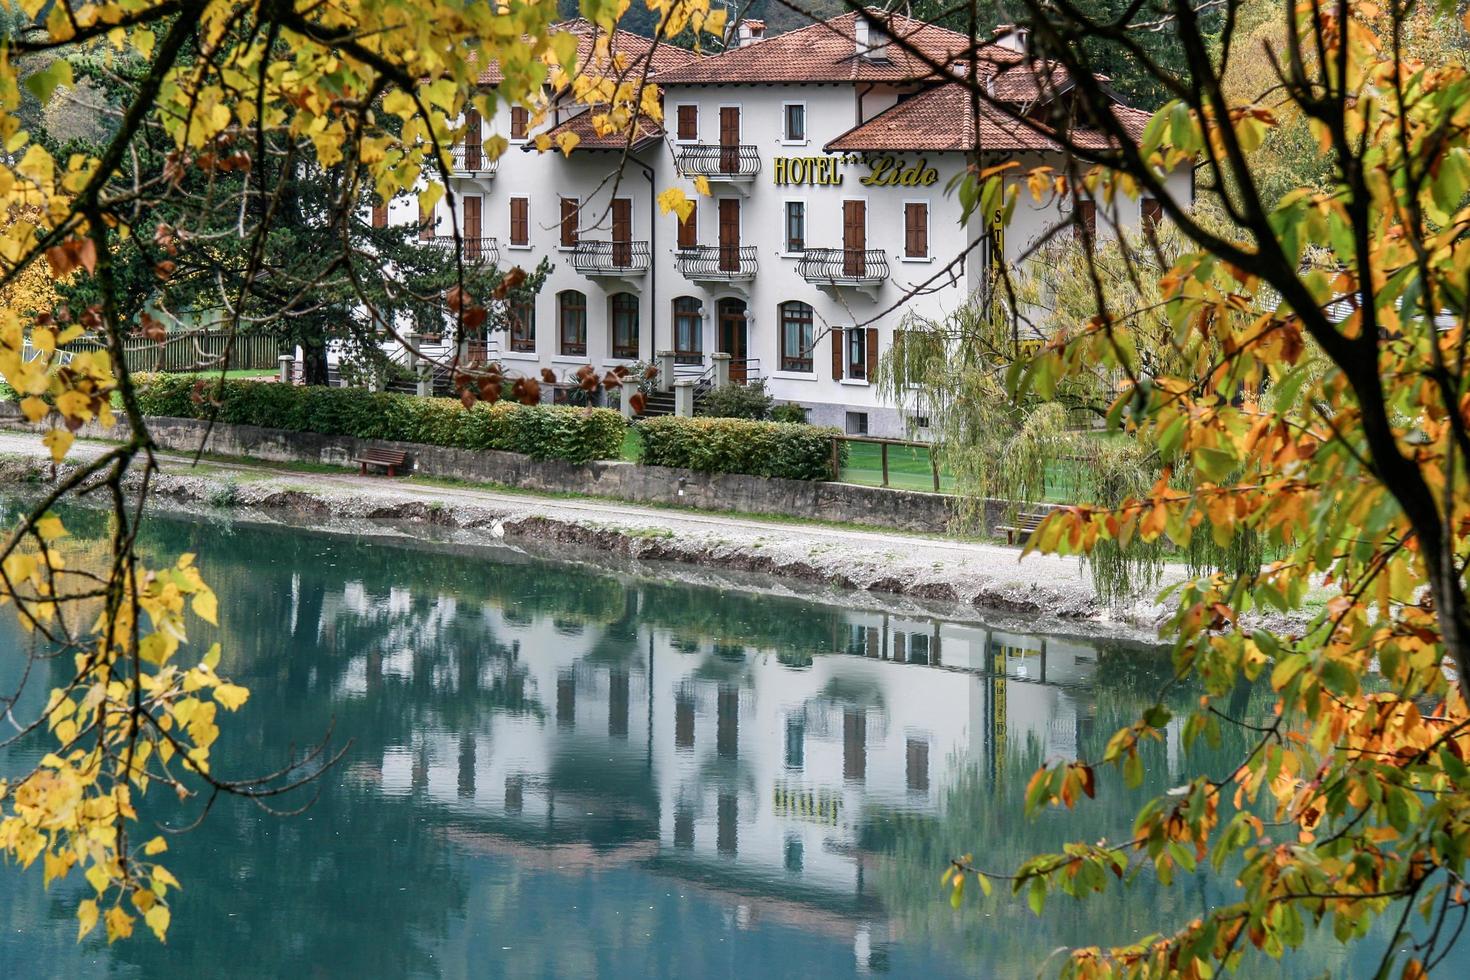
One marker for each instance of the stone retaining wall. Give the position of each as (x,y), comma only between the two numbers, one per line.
(845,502)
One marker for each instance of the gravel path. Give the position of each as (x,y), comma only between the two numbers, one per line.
(919,566)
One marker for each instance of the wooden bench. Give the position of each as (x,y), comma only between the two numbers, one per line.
(390,459)
(1025,524)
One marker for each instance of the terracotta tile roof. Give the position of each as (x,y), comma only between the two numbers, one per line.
(590,139)
(634,47)
(826,51)
(941,120)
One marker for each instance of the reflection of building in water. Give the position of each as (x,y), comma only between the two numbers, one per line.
(726,766)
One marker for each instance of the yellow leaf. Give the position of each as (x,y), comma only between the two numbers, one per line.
(157,919)
(86,918)
(119,924)
(49,527)
(34,408)
(206,607)
(676,201)
(156,846)
(59,441)
(231,695)
(567,142)
(701,184)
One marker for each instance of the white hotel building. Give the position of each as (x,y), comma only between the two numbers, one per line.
(827,150)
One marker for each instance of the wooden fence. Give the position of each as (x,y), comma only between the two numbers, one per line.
(201,351)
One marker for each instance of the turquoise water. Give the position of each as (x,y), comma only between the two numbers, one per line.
(559,771)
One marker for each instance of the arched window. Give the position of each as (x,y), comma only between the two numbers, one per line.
(625,326)
(571,306)
(688,330)
(522,317)
(796,337)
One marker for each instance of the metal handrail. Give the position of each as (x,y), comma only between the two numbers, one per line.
(843,266)
(718,161)
(471,158)
(717,263)
(610,258)
(486,250)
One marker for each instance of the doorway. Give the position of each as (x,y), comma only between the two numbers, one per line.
(733,336)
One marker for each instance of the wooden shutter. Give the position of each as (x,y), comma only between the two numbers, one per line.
(426,222)
(473,141)
(622,231)
(837,354)
(729,234)
(1087,212)
(916,230)
(729,139)
(520,230)
(854,237)
(689,122)
(472,229)
(568,222)
(1152,213)
(380,215)
(872,353)
(518,119)
(689,227)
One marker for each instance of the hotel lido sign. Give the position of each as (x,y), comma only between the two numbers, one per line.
(883,170)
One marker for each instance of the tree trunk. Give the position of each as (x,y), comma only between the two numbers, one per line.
(314,361)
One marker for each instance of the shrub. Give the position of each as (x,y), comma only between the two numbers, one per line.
(789,412)
(575,435)
(747,401)
(714,445)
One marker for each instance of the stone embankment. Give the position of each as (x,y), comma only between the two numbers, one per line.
(920,567)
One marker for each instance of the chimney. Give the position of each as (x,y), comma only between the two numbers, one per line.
(1012,38)
(871,40)
(749,31)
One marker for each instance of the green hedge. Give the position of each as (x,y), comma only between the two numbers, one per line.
(795,452)
(575,435)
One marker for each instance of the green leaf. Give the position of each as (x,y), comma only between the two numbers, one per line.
(44,82)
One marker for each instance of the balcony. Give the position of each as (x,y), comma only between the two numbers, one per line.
(471,160)
(864,269)
(717,263)
(737,164)
(480,251)
(613,260)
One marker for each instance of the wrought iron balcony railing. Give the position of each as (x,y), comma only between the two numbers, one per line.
(471,159)
(843,266)
(717,263)
(610,258)
(479,250)
(719,162)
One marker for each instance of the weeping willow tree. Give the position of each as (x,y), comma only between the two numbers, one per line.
(958,371)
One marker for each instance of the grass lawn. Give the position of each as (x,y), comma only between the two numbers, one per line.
(632,443)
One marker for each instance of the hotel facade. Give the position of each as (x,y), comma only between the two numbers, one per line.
(830,154)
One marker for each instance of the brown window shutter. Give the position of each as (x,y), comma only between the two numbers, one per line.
(426,223)
(472,217)
(473,142)
(923,231)
(837,355)
(380,215)
(518,119)
(1087,213)
(688,122)
(568,222)
(519,221)
(910,241)
(689,227)
(871,361)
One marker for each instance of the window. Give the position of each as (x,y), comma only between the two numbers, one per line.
(572,314)
(625,325)
(916,230)
(520,221)
(862,347)
(688,331)
(688,123)
(380,215)
(1086,229)
(795,226)
(426,223)
(689,228)
(857,423)
(796,337)
(919,649)
(519,118)
(522,317)
(794,122)
(916,765)
(1152,213)
(569,209)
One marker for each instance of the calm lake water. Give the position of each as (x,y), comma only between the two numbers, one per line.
(560,772)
